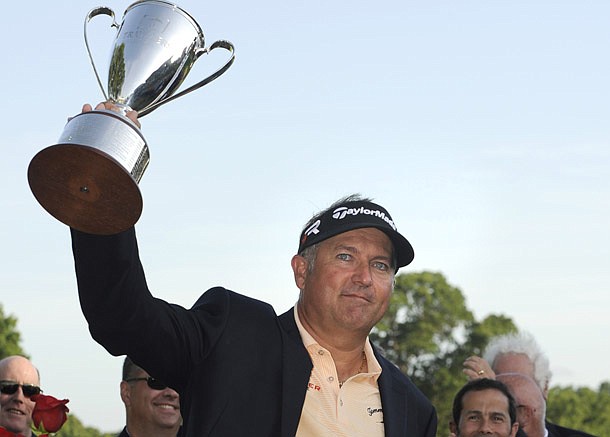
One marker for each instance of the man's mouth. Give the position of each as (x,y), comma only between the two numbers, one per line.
(356,296)
(167,406)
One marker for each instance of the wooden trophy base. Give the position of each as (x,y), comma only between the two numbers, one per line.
(85,188)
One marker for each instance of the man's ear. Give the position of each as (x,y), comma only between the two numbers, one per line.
(125,393)
(299,269)
(453,428)
(514,429)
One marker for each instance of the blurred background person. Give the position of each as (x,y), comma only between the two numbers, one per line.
(518,353)
(531,407)
(151,407)
(19,381)
(484,407)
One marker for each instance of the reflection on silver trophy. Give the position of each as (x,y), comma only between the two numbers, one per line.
(89,180)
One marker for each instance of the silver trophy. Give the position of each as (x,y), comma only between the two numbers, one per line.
(89,180)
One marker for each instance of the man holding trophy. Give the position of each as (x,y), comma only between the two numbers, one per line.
(242,370)
(239,368)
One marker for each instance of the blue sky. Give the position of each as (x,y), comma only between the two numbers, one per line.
(481,126)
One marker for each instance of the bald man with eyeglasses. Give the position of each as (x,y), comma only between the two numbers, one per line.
(151,407)
(19,381)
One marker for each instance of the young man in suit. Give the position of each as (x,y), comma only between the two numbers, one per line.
(484,407)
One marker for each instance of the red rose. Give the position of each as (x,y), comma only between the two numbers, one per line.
(49,413)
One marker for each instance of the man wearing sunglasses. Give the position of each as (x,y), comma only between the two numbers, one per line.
(19,381)
(242,370)
(151,407)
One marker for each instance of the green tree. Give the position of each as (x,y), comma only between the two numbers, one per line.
(580,408)
(10,338)
(74,428)
(428,331)
(481,332)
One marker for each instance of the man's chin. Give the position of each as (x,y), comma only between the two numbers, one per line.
(17,427)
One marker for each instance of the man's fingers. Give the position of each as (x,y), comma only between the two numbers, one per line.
(132,115)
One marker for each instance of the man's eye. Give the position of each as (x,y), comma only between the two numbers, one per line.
(344,256)
(381,266)
(472,417)
(498,419)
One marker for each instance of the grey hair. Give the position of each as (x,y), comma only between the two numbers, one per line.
(309,253)
(521,343)
(130,369)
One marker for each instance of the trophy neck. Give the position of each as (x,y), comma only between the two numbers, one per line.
(122,109)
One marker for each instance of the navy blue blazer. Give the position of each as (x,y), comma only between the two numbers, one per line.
(238,367)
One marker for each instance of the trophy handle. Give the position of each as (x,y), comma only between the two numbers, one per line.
(92,13)
(218,44)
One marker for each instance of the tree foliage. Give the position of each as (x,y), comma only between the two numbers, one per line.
(74,428)
(10,338)
(581,408)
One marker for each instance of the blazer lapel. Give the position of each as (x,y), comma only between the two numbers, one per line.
(296,369)
(393,393)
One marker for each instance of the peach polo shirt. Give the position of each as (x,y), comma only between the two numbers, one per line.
(353,409)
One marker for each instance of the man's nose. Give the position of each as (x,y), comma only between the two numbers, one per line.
(18,395)
(363,275)
(486,426)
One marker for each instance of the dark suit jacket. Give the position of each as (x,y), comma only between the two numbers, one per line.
(238,367)
(124,433)
(560,431)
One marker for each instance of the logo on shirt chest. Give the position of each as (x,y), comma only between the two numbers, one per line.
(312,386)
(372,411)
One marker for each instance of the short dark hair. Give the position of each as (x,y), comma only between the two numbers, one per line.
(130,369)
(480,385)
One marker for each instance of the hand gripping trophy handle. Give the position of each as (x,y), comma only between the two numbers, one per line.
(89,180)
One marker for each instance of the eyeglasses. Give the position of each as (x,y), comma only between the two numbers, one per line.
(10,387)
(153,383)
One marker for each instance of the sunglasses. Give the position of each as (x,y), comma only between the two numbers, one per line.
(10,387)
(153,383)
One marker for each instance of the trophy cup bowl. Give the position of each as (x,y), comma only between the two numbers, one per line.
(89,179)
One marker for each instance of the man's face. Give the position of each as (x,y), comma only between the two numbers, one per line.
(16,409)
(484,412)
(531,407)
(150,408)
(350,284)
